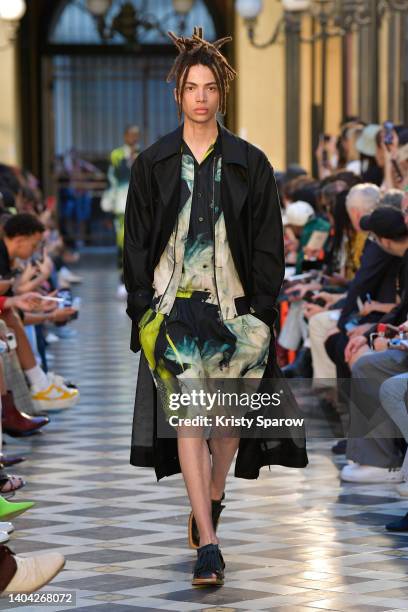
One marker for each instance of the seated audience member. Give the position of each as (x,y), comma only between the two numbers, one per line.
(300,218)
(378,457)
(22,235)
(376,279)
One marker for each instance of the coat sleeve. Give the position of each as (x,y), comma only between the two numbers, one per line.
(138,223)
(268,260)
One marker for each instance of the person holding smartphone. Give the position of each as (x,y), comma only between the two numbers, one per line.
(23,234)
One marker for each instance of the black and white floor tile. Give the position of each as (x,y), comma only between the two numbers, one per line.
(294,540)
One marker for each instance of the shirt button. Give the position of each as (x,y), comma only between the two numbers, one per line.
(199,194)
(201,218)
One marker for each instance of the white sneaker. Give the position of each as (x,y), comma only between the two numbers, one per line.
(4,537)
(58,380)
(370,474)
(121,292)
(401,488)
(7,527)
(54,397)
(51,338)
(65,275)
(34,572)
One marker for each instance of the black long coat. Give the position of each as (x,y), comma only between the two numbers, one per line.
(253,222)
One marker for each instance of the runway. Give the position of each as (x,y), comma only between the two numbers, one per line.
(294,540)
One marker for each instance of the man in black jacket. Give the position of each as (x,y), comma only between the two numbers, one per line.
(203,266)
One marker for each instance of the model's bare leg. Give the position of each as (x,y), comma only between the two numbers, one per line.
(223,450)
(195,463)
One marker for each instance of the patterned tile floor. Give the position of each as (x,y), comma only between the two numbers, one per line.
(294,540)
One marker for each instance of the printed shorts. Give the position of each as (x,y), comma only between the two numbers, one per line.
(192,346)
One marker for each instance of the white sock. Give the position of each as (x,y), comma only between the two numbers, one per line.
(37,377)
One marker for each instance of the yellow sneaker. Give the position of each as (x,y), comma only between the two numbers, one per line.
(54,397)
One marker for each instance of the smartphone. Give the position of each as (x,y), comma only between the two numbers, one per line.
(65,296)
(388,133)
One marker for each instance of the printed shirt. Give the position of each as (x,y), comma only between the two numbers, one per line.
(197,256)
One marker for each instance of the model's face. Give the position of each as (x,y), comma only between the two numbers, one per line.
(200,98)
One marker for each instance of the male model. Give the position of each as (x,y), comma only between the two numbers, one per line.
(203,266)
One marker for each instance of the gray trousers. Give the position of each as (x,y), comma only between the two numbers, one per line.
(369,373)
(393,397)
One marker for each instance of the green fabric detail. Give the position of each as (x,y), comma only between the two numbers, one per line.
(148,331)
(120,229)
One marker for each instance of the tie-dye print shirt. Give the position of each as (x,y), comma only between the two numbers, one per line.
(197,256)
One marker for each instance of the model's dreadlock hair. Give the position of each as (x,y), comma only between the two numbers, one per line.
(196,50)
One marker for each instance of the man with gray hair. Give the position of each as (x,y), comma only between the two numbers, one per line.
(375,280)
(361,200)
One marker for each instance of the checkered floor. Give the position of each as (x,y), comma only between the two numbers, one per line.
(294,540)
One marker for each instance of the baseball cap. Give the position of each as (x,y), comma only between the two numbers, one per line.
(385,222)
(298,213)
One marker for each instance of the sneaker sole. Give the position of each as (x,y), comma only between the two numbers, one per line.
(49,407)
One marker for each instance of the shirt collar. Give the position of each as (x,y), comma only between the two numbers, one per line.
(233,149)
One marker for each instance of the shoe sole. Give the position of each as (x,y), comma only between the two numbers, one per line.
(191,543)
(207,581)
(22,434)
(48,407)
